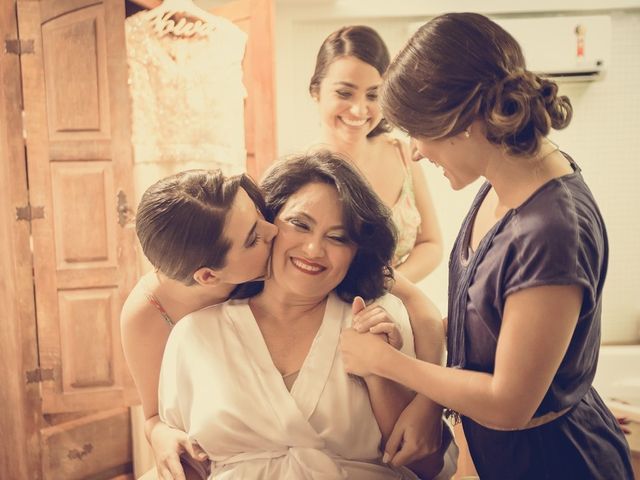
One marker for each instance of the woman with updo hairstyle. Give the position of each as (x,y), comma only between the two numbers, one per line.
(527,269)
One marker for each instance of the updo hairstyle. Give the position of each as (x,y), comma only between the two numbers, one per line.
(460,67)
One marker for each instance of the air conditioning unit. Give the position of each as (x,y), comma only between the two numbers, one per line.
(565,48)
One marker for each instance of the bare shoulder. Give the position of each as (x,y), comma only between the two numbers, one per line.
(387,144)
(136,309)
(388,156)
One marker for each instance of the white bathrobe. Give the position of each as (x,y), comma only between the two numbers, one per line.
(219,384)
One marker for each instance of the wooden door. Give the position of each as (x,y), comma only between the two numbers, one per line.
(19,398)
(79,167)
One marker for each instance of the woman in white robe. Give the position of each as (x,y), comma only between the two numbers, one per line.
(219,384)
(225,370)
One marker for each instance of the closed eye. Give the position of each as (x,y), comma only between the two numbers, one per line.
(299,224)
(254,241)
(339,239)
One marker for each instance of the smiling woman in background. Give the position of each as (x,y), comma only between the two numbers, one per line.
(528,267)
(348,72)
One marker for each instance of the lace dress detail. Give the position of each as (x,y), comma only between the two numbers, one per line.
(187,98)
(405,214)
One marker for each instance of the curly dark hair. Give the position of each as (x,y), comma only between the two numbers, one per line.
(460,67)
(366,218)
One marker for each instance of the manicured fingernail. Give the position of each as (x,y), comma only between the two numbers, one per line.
(386,458)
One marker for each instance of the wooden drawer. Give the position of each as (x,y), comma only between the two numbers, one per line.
(92,446)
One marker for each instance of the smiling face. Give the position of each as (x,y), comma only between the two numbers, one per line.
(312,252)
(348,100)
(250,235)
(457,156)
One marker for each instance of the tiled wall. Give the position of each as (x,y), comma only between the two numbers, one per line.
(604,138)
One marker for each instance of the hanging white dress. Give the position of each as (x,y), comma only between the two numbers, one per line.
(187,100)
(219,384)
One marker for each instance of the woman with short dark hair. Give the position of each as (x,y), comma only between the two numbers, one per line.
(181,219)
(527,270)
(204,233)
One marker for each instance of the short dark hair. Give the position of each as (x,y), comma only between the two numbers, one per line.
(358,41)
(180,221)
(367,219)
(462,66)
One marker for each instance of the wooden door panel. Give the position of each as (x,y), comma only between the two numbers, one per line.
(79,163)
(85,222)
(93,149)
(87,315)
(76,81)
(50,9)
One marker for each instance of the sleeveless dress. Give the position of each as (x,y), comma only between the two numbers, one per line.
(405,213)
(556,237)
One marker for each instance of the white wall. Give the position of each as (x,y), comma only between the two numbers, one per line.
(604,136)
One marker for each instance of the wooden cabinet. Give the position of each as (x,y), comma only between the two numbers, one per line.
(68,246)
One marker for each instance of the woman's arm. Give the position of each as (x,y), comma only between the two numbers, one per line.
(387,398)
(427,251)
(425,318)
(537,326)
(144,337)
(418,431)
(428,334)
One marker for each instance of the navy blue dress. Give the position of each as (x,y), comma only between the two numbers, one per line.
(556,237)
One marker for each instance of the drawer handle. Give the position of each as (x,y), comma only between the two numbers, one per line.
(75,454)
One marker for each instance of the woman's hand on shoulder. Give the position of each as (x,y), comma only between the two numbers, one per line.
(375,319)
(168,444)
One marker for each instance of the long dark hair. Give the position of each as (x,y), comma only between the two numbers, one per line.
(358,41)
(462,66)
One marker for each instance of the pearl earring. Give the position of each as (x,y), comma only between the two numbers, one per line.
(467,132)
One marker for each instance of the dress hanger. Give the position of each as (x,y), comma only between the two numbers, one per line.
(191,21)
